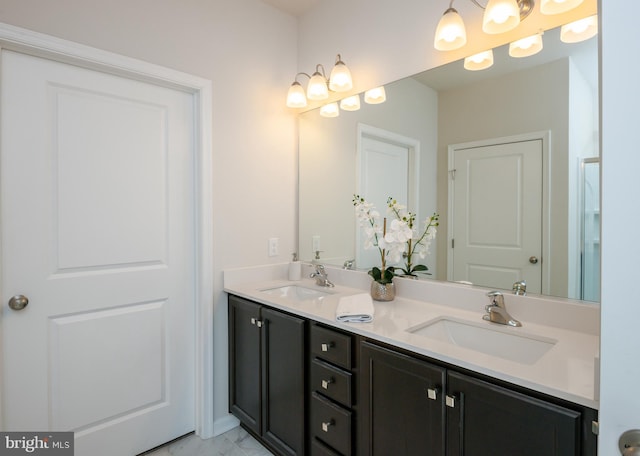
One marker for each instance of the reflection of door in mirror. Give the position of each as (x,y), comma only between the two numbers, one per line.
(590,218)
(495,212)
(387,167)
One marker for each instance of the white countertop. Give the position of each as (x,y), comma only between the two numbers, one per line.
(566,371)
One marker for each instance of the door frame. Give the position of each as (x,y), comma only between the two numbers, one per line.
(413,184)
(545,138)
(56,49)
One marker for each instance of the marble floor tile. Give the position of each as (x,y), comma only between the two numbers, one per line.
(236,442)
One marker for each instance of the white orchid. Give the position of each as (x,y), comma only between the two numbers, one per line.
(395,240)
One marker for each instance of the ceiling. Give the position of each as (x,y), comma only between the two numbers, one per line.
(293,7)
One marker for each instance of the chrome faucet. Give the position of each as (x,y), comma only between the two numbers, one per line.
(497,311)
(349,264)
(321,276)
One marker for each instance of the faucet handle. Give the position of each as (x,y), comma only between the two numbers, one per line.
(496,297)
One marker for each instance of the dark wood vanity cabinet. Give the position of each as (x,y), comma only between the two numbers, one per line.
(304,388)
(402,410)
(267,374)
(411,406)
(332,423)
(485,419)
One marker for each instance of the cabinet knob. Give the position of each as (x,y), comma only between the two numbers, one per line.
(327,346)
(255,321)
(432,393)
(326,383)
(326,424)
(450,401)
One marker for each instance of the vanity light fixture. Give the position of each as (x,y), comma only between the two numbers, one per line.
(499,16)
(580,30)
(450,33)
(526,47)
(351,103)
(319,86)
(558,6)
(376,95)
(479,61)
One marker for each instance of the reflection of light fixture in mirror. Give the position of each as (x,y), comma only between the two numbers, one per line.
(479,61)
(375,96)
(526,47)
(558,6)
(500,16)
(350,103)
(450,34)
(581,30)
(330,110)
(319,86)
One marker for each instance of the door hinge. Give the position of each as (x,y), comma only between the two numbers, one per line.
(453,174)
(453,243)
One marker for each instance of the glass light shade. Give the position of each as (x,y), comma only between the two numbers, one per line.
(296,97)
(581,30)
(558,6)
(479,61)
(526,46)
(330,110)
(317,88)
(450,33)
(375,96)
(500,16)
(340,79)
(350,103)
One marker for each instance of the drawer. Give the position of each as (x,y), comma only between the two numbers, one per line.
(320,449)
(331,424)
(330,345)
(331,382)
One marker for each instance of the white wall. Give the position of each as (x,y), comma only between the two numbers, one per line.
(248,50)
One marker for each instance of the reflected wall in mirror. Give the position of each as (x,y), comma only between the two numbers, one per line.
(550,97)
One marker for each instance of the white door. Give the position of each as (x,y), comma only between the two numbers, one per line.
(496,215)
(385,172)
(98,233)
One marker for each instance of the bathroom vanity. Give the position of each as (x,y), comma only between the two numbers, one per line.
(303,383)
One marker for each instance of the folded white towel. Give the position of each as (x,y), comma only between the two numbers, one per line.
(355,309)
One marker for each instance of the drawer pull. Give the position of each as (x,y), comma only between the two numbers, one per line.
(432,393)
(325,425)
(326,383)
(327,346)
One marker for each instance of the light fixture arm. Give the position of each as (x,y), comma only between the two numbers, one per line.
(526,6)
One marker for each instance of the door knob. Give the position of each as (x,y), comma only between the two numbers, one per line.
(629,443)
(533,260)
(18,302)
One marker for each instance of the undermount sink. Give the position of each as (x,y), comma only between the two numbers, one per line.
(296,293)
(495,341)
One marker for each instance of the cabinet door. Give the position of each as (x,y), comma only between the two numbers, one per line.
(283,385)
(244,362)
(399,414)
(488,420)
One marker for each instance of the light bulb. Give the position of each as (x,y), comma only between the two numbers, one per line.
(375,96)
(296,97)
(479,61)
(450,33)
(330,110)
(317,88)
(558,6)
(580,30)
(350,103)
(526,47)
(340,79)
(500,16)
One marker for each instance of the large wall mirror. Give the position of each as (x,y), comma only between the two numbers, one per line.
(469,140)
